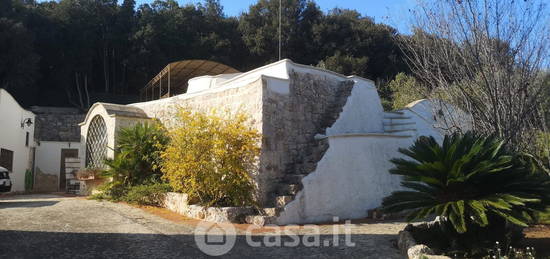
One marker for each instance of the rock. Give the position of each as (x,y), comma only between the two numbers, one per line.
(405,241)
(177,202)
(409,227)
(227,214)
(261,220)
(416,251)
(197,212)
(407,245)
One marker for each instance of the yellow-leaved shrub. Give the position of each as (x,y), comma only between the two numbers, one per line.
(211,157)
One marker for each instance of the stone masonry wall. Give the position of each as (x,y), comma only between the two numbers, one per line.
(315,104)
(57,124)
(291,122)
(288,122)
(246,99)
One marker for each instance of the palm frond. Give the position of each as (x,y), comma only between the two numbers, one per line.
(469,179)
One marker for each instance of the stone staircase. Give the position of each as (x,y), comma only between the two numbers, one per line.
(289,185)
(394,122)
(397,123)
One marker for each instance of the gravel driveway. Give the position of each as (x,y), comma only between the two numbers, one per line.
(49,226)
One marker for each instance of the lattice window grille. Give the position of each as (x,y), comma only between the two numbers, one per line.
(96,143)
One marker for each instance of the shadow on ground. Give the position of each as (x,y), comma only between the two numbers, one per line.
(30,244)
(26,204)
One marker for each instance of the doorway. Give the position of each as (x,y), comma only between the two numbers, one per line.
(65,153)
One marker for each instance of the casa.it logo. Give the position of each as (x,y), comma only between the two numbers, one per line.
(215,239)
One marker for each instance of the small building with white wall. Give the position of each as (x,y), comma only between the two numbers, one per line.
(326,140)
(38,140)
(16,139)
(57,136)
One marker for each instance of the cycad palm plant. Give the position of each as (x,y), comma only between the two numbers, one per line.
(468,179)
(137,154)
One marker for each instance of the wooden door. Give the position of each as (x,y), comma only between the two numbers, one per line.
(65,152)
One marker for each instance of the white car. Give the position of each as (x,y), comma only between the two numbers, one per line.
(5,182)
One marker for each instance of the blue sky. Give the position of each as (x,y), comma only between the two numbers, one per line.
(392,12)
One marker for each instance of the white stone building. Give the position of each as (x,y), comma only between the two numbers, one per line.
(39,140)
(57,136)
(16,139)
(326,141)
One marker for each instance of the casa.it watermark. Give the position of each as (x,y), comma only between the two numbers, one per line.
(216,239)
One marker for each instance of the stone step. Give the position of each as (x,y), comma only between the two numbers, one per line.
(288,189)
(397,118)
(398,130)
(293,178)
(394,112)
(283,200)
(400,126)
(271,212)
(398,123)
(261,220)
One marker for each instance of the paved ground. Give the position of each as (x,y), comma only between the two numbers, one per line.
(49,226)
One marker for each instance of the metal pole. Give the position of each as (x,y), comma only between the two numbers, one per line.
(280,11)
(169,68)
(160,86)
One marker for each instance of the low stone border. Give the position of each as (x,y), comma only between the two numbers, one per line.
(408,246)
(179,203)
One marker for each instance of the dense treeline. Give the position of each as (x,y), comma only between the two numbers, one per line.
(59,52)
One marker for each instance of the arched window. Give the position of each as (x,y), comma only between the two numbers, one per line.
(96,143)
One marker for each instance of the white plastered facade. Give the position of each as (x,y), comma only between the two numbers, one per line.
(13,134)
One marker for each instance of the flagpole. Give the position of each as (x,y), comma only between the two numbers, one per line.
(280,10)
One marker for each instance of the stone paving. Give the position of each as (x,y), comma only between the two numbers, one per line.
(49,226)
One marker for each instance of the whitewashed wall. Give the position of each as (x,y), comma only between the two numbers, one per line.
(351,178)
(353,175)
(437,118)
(362,113)
(12,137)
(48,155)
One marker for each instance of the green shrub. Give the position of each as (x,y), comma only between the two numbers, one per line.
(211,158)
(541,149)
(405,89)
(479,188)
(544,217)
(137,154)
(147,194)
(29,180)
(466,179)
(344,64)
(113,191)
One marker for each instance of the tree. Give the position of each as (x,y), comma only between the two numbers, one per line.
(405,90)
(260,27)
(486,57)
(345,64)
(97,50)
(369,47)
(18,61)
